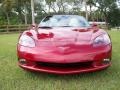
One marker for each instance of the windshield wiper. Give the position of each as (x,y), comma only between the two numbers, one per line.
(45,27)
(65,26)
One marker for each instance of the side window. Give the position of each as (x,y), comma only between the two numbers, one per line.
(45,21)
(47,18)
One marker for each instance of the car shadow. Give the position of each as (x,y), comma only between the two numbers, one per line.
(96,74)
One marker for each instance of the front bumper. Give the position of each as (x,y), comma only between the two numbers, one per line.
(86,62)
(63,70)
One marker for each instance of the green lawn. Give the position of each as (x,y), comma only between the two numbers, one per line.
(14,78)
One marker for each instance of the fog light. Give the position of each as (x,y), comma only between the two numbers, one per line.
(22,61)
(106,61)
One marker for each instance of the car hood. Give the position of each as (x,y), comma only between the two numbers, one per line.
(65,34)
(61,36)
(65,40)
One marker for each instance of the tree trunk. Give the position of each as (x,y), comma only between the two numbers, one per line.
(106,20)
(8,18)
(53,9)
(59,8)
(32,10)
(86,10)
(25,15)
(91,12)
(49,8)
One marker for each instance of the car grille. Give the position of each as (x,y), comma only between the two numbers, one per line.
(65,66)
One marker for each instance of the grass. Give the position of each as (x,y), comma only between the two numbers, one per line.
(14,78)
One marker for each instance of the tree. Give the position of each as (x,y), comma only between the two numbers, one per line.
(22,7)
(51,5)
(104,7)
(114,16)
(7,6)
(33,11)
(91,3)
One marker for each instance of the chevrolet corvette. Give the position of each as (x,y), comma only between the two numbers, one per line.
(64,44)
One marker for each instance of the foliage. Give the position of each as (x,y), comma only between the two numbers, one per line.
(7,6)
(104,6)
(114,16)
(21,10)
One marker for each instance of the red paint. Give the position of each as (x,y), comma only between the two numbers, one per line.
(29,34)
(65,45)
(44,35)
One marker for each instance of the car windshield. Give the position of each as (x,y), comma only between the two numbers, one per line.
(64,21)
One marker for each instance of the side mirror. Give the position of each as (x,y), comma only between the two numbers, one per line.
(34,25)
(94,25)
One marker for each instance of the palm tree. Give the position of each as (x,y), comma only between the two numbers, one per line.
(86,10)
(91,3)
(32,10)
(7,6)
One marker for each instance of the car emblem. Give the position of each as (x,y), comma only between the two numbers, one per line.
(62,49)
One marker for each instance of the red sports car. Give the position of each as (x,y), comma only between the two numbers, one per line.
(64,44)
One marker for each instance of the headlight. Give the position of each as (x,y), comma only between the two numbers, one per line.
(26,41)
(101,40)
